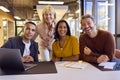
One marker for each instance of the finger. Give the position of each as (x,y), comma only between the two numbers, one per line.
(106,57)
(31,58)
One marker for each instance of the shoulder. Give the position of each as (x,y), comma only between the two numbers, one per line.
(105,33)
(73,37)
(34,43)
(83,35)
(55,42)
(40,25)
(12,42)
(16,38)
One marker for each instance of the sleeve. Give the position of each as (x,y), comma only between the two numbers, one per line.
(75,46)
(88,58)
(53,54)
(36,54)
(8,44)
(109,47)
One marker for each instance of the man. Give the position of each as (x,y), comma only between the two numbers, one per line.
(28,47)
(95,45)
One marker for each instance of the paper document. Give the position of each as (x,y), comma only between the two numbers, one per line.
(107,65)
(72,64)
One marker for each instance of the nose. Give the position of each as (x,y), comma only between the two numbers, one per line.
(48,15)
(86,25)
(62,28)
(30,31)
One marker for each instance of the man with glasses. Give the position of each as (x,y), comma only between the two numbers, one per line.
(28,47)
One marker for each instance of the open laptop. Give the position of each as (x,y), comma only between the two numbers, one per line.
(10,59)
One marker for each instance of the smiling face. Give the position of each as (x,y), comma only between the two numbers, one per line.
(88,25)
(28,31)
(62,29)
(48,17)
(48,14)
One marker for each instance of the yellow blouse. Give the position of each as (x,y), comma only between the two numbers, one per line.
(70,47)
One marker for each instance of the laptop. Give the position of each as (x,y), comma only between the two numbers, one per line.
(11,59)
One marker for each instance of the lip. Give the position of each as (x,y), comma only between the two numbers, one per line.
(29,35)
(62,32)
(87,28)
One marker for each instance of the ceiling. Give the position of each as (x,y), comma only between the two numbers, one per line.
(25,9)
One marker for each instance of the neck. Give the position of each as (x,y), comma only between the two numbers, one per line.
(94,33)
(62,38)
(26,40)
(48,24)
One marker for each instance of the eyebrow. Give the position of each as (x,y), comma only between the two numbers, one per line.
(30,29)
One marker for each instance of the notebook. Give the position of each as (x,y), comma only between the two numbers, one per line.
(117,66)
(108,66)
(10,59)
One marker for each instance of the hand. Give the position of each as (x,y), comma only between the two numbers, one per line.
(87,51)
(103,58)
(44,43)
(27,58)
(54,59)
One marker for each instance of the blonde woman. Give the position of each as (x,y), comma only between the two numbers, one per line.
(45,30)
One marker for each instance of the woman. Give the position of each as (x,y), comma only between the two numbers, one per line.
(65,47)
(45,30)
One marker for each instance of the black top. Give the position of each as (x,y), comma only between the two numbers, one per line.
(17,43)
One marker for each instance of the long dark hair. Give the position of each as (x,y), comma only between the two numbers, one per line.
(56,29)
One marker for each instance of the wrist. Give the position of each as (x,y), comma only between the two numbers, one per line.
(61,58)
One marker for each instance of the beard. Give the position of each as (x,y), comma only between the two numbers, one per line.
(89,30)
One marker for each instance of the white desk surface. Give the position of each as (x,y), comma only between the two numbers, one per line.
(89,73)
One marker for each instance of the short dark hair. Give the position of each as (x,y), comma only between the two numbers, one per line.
(88,16)
(30,23)
(56,29)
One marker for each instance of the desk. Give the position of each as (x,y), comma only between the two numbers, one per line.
(89,73)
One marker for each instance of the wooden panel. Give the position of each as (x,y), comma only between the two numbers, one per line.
(3,16)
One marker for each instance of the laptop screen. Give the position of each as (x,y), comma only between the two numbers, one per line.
(11,59)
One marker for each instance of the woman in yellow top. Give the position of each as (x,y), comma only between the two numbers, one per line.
(65,47)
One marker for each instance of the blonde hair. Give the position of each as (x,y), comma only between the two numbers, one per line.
(47,9)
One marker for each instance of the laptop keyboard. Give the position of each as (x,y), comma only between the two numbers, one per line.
(28,66)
